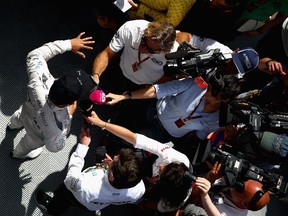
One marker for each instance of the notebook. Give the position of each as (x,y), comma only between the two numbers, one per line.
(123,5)
(250,25)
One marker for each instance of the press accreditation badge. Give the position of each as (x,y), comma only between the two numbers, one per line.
(179,123)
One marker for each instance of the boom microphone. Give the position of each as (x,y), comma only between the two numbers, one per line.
(86,107)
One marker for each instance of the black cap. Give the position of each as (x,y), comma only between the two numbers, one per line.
(71,87)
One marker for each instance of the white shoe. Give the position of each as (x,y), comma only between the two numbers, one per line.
(98,212)
(31,155)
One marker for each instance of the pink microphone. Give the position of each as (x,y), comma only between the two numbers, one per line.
(98,97)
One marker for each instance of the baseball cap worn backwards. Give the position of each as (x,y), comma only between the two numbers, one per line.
(285,35)
(74,85)
(245,60)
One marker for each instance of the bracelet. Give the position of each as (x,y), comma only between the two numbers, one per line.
(104,127)
(128,93)
(267,62)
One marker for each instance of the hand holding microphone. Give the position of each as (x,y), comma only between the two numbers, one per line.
(86,107)
(98,97)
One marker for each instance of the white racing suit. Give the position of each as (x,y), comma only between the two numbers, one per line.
(45,124)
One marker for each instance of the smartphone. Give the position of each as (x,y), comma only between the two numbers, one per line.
(100,154)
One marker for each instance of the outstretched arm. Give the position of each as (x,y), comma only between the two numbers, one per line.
(101,62)
(51,49)
(76,162)
(144,93)
(79,43)
(117,130)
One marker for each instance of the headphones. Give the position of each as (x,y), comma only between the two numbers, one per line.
(215,81)
(253,192)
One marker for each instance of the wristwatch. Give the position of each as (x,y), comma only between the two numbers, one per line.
(267,62)
(128,93)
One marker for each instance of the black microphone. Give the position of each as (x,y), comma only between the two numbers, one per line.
(189,176)
(86,107)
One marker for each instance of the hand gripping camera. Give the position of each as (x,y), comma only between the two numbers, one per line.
(236,171)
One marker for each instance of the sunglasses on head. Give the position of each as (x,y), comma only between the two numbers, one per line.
(148,49)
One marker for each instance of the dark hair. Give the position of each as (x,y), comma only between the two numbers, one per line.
(106,8)
(110,11)
(71,87)
(173,186)
(163,33)
(227,87)
(232,2)
(59,94)
(126,170)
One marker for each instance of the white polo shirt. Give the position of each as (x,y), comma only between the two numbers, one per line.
(92,187)
(207,44)
(128,37)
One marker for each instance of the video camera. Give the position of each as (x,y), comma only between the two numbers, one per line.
(237,170)
(192,62)
(261,134)
(253,116)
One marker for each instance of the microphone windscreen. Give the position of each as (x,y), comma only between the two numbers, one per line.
(176,55)
(98,97)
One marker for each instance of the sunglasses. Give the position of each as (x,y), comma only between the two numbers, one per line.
(148,49)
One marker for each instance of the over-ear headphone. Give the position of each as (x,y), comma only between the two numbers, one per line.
(252,193)
(257,196)
(215,81)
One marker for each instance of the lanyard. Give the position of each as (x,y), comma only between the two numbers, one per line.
(136,65)
(190,116)
(143,60)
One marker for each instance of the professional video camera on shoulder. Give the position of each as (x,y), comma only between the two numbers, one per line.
(237,170)
(196,62)
(252,115)
(192,62)
(263,133)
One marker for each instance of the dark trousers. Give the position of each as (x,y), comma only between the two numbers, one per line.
(62,200)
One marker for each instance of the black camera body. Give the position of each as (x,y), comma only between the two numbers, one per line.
(192,62)
(237,170)
(263,135)
(253,116)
